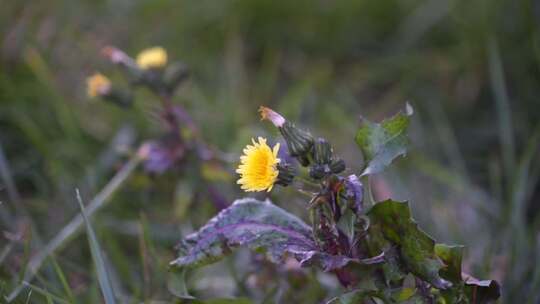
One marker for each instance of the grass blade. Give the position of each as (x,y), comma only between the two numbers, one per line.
(502,102)
(49,296)
(75,225)
(63,280)
(101,269)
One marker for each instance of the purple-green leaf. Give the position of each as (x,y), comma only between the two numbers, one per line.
(258,225)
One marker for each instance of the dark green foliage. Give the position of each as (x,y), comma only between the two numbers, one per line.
(382,142)
(416,248)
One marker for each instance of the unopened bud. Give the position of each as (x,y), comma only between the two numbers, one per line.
(318,171)
(120,97)
(98,85)
(286,174)
(116,55)
(120,58)
(322,152)
(299,141)
(337,165)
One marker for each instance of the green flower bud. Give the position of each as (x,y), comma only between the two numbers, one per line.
(337,165)
(299,141)
(318,171)
(286,174)
(119,97)
(322,152)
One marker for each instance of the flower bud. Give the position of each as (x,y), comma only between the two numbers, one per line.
(299,141)
(286,174)
(119,97)
(120,58)
(322,152)
(98,85)
(337,165)
(318,171)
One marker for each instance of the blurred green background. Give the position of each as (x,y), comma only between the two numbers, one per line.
(470,69)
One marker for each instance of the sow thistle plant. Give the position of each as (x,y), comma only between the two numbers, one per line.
(178,147)
(375,249)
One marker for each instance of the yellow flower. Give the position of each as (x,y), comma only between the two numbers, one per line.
(258,166)
(155,57)
(97,85)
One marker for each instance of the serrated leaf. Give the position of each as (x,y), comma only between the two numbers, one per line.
(452,257)
(465,286)
(258,225)
(415,246)
(246,222)
(382,142)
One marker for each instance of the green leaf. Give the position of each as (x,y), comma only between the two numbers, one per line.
(95,249)
(452,257)
(176,284)
(382,142)
(465,286)
(415,246)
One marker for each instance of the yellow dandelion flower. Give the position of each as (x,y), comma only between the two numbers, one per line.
(258,166)
(97,85)
(155,57)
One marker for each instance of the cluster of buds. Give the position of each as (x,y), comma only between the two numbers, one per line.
(150,69)
(317,154)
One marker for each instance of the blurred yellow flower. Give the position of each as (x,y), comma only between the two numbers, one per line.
(258,166)
(155,57)
(97,85)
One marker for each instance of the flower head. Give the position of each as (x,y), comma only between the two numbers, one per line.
(258,166)
(97,85)
(272,116)
(155,57)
